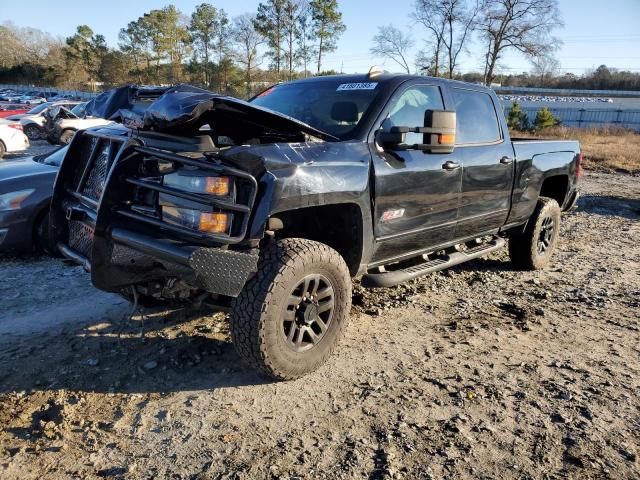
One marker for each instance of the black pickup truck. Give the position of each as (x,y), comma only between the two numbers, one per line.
(268,208)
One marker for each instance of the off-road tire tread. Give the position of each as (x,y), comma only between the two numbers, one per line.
(523,247)
(275,264)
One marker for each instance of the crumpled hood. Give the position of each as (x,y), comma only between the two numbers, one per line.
(186,111)
(183,109)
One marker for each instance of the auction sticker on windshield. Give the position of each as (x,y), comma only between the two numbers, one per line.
(357,86)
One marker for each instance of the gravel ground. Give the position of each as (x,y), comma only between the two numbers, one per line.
(477,372)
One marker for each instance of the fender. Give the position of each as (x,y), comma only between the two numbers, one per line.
(537,161)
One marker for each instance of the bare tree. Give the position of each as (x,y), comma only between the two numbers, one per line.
(450,24)
(522,25)
(247,41)
(391,43)
(428,13)
(545,67)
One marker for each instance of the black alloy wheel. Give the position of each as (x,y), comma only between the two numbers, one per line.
(547,234)
(533,248)
(308,313)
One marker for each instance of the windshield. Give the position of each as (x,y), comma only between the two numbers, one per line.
(38,109)
(334,107)
(52,158)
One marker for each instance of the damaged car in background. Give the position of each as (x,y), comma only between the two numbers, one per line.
(268,208)
(61,124)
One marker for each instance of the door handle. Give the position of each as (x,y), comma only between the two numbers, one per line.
(506,160)
(449,165)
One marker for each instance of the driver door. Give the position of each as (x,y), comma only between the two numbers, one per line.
(416,193)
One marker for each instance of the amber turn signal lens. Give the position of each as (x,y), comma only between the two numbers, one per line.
(446,139)
(218,186)
(213,222)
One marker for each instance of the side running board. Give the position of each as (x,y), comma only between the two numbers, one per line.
(390,279)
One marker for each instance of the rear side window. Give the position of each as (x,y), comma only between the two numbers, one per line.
(476,117)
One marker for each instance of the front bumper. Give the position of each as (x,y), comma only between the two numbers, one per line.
(105,216)
(15,233)
(215,270)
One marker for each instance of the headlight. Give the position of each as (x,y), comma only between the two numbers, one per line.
(13,200)
(218,186)
(206,222)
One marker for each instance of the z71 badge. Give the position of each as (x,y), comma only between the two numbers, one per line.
(392,214)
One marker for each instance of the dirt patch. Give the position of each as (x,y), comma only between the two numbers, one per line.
(476,372)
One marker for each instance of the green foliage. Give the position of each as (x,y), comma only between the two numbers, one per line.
(517,119)
(164,46)
(84,53)
(269,22)
(327,26)
(210,30)
(544,119)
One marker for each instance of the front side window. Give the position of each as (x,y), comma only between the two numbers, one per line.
(476,117)
(409,109)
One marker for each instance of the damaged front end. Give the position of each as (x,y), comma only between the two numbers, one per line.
(169,215)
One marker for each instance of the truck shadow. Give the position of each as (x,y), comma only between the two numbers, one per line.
(173,355)
(609,205)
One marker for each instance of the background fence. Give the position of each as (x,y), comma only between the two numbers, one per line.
(45,90)
(566,92)
(588,118)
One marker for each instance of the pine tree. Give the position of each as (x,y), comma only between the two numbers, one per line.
(517,119)
(544,119)
(327,26)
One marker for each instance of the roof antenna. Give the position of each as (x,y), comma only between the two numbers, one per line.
(375,71)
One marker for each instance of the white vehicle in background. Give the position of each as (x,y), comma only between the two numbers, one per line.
(67,122)
(12,138)
(33,121)
(30,100)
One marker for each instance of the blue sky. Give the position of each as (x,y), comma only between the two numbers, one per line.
(595,32)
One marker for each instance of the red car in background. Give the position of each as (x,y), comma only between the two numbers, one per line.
(7,110)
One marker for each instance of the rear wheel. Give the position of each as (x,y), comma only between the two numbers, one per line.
(532,250)
(3,149)
(290,316)
(33,132)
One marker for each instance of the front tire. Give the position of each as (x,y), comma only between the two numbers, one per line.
(532,250)
(290,316)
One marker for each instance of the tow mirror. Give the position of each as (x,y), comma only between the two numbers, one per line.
(438,134)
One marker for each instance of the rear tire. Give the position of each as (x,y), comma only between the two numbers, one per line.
(3,149)
(290,316)
(33,132)
(532,249)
